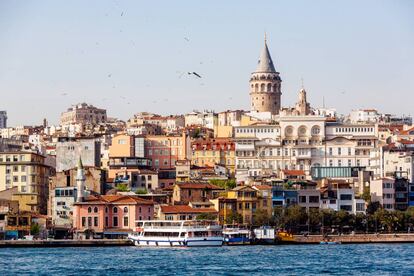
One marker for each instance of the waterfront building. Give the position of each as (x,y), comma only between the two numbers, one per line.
(338,195)
(29,172)
(308,195)
(183,170)
(3,119)
(383,191)
(70,150)
(109,216)
(83,114)
(247,200)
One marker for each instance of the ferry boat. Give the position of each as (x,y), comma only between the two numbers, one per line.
(235,235)
(185,233)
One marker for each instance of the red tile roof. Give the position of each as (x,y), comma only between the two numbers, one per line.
(262,187)
(115,199)
(198,186)
(167,209)
(210,144)
(294,172)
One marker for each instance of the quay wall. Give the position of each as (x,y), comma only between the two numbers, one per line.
(357,238)
(64,243)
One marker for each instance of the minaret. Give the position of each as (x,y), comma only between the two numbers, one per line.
(265,93)
(80,182)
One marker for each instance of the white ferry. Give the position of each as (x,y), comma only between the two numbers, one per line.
(177,233)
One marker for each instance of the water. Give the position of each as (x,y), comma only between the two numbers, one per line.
(362,259)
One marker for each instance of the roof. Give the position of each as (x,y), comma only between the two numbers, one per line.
(190,185)
(294,172)
(115,199)
(265,63)
(262,187)
(168,209)
(238,188)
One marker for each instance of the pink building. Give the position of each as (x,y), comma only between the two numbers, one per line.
(110,216)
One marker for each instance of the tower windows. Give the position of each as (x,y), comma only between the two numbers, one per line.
(262,87)
(269,87)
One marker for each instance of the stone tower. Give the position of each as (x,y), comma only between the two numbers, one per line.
(302,106)
(265,93)
(80,182)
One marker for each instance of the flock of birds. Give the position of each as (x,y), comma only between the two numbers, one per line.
(189,73)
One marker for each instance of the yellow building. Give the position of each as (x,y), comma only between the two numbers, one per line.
(210,152)
(247,202)
(29,173)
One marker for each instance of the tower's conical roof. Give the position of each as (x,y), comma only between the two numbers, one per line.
(80,164)
(265,63)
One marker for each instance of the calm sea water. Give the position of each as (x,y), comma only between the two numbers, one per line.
(377,259)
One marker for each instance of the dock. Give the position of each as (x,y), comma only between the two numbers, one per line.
(65,243)
(357,238)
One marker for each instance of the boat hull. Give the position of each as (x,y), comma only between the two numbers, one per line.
(177,242)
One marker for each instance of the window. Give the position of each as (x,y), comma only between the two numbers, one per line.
(95,210)
(115,210)
(346,197)
(89,221)
(95,221)
(23,178)
(106,209)
(125,210)
(313,199)
(125,221)
(89,209)
(339,151)
(302,199)
(83,221)
(106,222)
(115,224)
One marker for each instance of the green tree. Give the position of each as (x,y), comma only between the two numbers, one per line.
(234,217)
(122,187)
(261,217)
(35,229)
(206,216)
(366,195)
(227,184)
(141,191)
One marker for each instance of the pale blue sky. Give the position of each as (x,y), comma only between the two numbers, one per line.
(362,48)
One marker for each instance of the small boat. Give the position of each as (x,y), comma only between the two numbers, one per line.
(265,235)
(183,233)
(330,242)
(236,235)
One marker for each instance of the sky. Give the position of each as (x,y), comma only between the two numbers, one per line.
(133,56)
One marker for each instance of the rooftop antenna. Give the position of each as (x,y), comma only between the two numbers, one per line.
(302,83)
(323,101)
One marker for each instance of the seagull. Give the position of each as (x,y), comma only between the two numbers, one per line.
(186,38)
(122,13)
(195,74)
(64,94)
(109,75)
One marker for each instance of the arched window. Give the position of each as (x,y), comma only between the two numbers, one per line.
(275,88)
(95,210)
(315,130)
(106,209)
(115,210)
(125,209)
(269,87)
(256,87)
(89,209)
(262,87)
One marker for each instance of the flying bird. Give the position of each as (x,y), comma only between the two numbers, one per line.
(187,39)
(64,94)
(122,13)
(109,75)
(195,74)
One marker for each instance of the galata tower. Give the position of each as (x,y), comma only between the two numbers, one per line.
(265,93)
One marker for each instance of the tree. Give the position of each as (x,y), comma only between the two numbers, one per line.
(206,216)
(141,191)
(234,217)
(366,195)
(373,207)
(226,184)
(122,187)
(35,229)
(261,217)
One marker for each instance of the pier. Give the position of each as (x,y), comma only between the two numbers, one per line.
(357,238)
(65,243)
